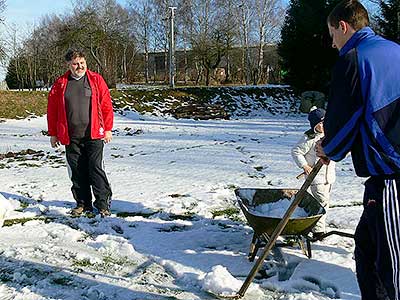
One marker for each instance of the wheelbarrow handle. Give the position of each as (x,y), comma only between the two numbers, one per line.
(279,228)
(332,232)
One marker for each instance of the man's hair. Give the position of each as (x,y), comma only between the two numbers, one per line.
(74,53)
(350,11)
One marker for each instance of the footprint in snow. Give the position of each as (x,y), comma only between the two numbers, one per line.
(318,285)
(118,229)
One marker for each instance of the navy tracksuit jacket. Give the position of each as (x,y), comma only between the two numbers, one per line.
(363,117)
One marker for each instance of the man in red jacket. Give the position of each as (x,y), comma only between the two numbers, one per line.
(80,116)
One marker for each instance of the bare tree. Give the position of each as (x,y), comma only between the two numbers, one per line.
(229,25)
(99,26)
(162,30)
(2,8)
(183,30)
(49,53)
(206,36)
(269,18)
(245,13)
(142,14)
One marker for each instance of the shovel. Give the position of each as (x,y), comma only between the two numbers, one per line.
(278,230)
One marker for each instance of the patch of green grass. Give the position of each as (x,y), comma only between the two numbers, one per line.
(187,216)
(111,262)
(18,105)
(200,102)
(22,221)
(231,213)
(23,204)
(191,206)
(145,101)
(109,259)
(82,263)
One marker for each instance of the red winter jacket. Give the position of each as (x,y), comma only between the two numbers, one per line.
(102,115)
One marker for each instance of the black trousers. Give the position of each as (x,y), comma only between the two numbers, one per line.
(85,161)
(377,239)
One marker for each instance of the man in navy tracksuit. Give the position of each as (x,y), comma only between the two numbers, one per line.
(363,117)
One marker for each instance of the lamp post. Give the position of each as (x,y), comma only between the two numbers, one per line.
(172,49)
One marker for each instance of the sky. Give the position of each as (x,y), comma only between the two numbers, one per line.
(24,13)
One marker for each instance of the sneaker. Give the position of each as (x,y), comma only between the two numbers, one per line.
(104,213)
(79,210)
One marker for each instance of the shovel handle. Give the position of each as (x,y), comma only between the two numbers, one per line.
(279,228)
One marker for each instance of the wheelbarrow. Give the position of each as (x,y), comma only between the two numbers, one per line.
(296,229)
(272,232)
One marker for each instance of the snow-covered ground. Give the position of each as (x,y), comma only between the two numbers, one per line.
(167,238)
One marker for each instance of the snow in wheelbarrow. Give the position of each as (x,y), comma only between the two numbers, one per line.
(251,198)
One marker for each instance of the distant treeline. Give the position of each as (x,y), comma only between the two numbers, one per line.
(218,41)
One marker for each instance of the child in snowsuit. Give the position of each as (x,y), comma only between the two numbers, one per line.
(305,157)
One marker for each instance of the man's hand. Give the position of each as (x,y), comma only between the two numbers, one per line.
(107,137)
(54,142)
(320,152)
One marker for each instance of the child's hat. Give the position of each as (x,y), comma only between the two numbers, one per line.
(315,116)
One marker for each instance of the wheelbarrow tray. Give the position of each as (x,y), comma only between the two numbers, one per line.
(249,198)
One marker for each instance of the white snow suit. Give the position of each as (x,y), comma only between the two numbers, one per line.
(303,154)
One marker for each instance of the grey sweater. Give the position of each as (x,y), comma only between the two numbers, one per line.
(78,107)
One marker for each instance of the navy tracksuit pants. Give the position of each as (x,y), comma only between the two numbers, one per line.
(85,161)
(377,240)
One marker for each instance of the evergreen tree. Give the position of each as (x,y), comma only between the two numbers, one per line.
(306,48)
(11,76)
(389,22)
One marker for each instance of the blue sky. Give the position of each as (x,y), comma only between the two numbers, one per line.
(25,13)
